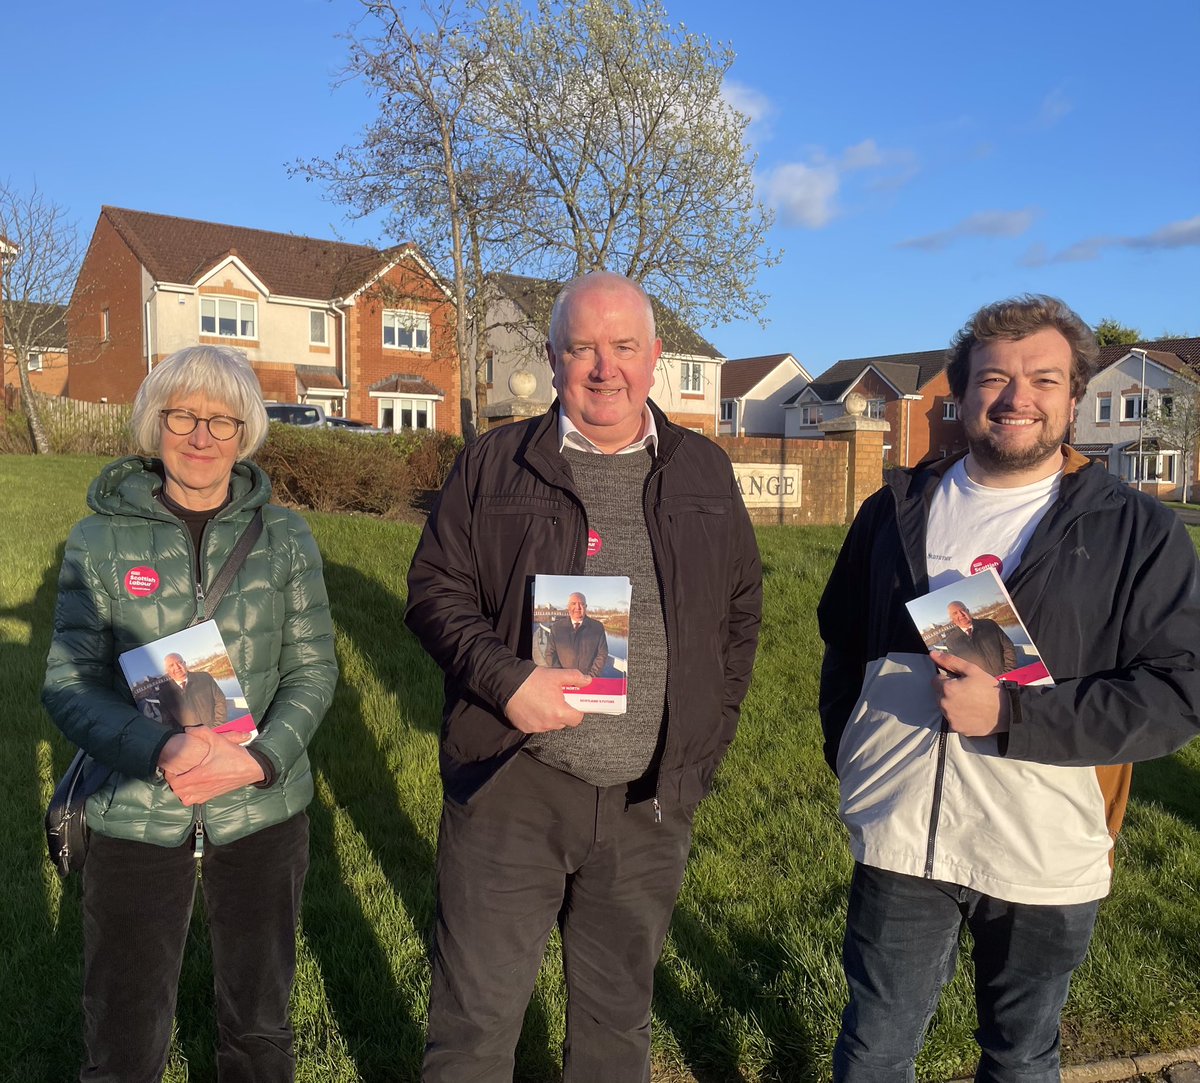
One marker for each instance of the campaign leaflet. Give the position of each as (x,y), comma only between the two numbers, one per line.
(187,679)
(582,622)
(975,619)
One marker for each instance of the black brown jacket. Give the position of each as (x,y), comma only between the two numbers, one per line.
(509,511)
(1109,589)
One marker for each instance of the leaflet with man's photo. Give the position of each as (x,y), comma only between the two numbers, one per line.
(186,679)
(582,622)
(975,619)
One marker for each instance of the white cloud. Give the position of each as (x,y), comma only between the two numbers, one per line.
(754,104)
(803,195)
(1182,234)
(862,155)
(981,224)
(1055,106)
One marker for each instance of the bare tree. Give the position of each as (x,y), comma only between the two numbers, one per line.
(581,135)
(38,274)
(1173,415)
(427,162)
(643,166)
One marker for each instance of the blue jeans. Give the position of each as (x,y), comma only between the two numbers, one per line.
(900,949)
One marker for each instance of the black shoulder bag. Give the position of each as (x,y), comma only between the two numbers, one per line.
(66,818)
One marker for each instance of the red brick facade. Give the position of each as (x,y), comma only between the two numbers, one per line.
(109,280)
(405,287)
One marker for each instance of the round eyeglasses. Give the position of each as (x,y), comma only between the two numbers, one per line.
(184,422)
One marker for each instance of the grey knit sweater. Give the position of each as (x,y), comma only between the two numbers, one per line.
(607,750)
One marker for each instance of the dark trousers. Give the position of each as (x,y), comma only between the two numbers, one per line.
(900,949)
(536,846)
(137,905)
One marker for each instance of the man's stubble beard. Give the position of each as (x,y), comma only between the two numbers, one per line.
(990,454)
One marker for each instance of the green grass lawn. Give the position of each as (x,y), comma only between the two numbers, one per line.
(749,987)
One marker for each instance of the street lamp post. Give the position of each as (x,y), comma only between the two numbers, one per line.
(1141,463)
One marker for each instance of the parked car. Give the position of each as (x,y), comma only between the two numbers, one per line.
(314,417)
(346,424)
(296,413)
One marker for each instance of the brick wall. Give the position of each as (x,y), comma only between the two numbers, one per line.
(704,423)
(405,287)
(110,278)
(836,475)
(931,434)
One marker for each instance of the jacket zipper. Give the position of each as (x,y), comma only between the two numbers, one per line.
(936,806)
(662,594)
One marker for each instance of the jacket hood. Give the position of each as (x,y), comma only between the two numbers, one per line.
(129,486)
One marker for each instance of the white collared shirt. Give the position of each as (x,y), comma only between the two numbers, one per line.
(570,436)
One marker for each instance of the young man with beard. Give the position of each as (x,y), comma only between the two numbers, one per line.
(970,801)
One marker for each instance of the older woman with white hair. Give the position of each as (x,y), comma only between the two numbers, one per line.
(181,800)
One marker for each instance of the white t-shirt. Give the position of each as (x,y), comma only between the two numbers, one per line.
(973,526)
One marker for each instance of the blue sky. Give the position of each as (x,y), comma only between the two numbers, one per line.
(923,159)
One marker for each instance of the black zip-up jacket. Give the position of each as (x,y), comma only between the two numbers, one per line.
(1108,587)
(509,511)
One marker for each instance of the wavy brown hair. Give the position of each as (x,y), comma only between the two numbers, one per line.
(1017,318)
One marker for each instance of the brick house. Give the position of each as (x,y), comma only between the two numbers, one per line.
(753,391)
(1114,418)
(44,326)
(363,333)
(687,382)
(907,390)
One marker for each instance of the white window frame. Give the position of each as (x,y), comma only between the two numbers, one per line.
(728,410)
(400,320)
(691,377)
(949,410)
(313,315)
(398,403)
(876,409)
(33,363)
(243,308)
(1131,407)
(811,415)
(1103,415)
(105,325)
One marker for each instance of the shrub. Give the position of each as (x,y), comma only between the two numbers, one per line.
(340,471)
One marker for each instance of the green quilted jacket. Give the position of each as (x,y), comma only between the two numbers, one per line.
(127,579)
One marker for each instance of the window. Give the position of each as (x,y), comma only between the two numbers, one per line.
(728,409)
(811,415)
(407,413)
(875,409)
(228,317)
(691,375)
(1155,467)
(949,410)
(489,369)
(104,326)
(406,330)
(35,362)
(1104,408)
(317,335)
(1166,405)
(1131,407)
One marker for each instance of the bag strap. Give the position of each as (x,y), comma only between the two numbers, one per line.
(218,587)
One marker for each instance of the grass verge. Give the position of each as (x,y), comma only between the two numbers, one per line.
(749,987)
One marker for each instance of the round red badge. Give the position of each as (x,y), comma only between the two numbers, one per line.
(141,582)
(987,560)
(594,543)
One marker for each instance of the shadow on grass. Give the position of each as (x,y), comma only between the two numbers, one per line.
(40,1016)
(747,982)
(362,992)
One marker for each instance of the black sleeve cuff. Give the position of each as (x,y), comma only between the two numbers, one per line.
(268,767)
